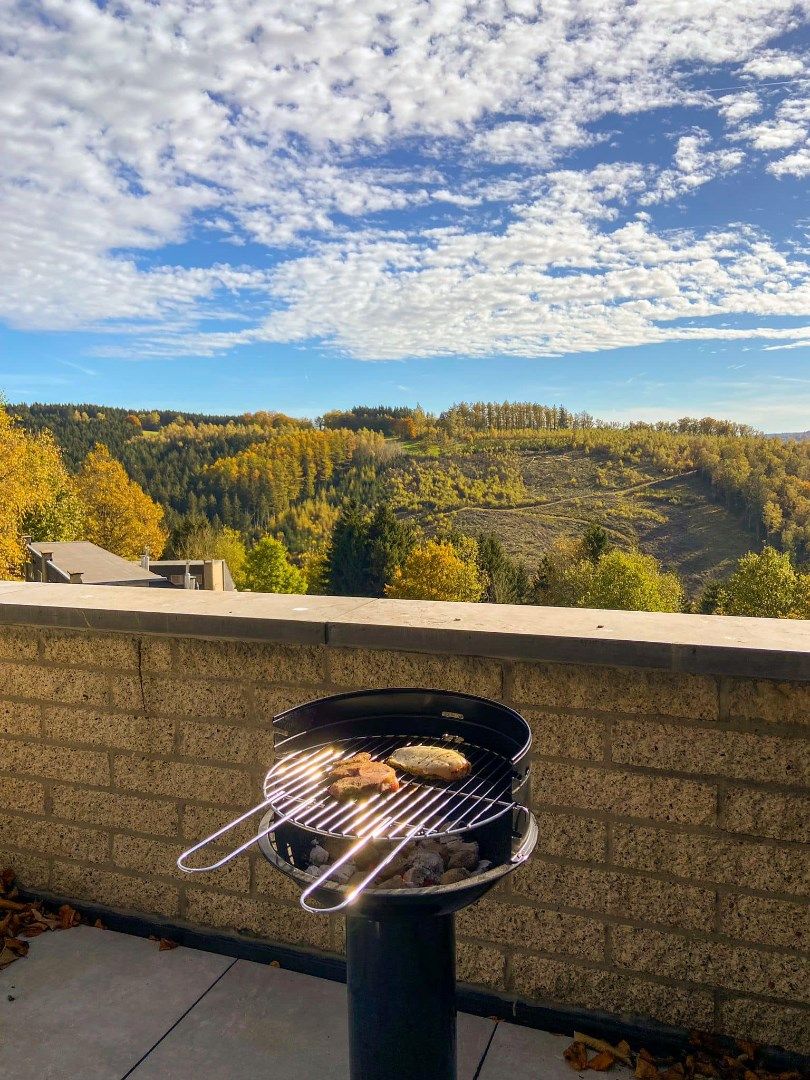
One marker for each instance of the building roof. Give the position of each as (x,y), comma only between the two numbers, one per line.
(97,566)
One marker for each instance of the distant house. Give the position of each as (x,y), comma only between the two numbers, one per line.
(79,562)
(209,574)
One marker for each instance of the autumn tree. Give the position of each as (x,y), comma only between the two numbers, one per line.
(631,581)
(120,515)
(37,496)
(435,570)
(562,574)
(197,538)
(268,569)
(768,586)
(315,570)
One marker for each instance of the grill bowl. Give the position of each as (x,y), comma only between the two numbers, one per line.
(518,831)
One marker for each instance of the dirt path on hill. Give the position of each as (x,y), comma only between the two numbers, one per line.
(600,493)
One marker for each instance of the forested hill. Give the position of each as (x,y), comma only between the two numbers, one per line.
(799,436)
(697,493)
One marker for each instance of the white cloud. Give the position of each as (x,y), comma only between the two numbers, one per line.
(693,165)
(797,164)
(773,64)
(561,278)
(802,343)
(736,107)
(789,127)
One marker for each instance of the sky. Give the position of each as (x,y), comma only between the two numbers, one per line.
(228,205)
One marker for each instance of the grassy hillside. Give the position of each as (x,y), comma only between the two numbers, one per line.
(676,519)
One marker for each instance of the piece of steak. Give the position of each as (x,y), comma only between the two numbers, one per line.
(361,775)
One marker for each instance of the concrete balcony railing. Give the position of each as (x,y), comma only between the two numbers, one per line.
(670,780)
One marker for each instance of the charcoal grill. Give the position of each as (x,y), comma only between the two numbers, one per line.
(400,943)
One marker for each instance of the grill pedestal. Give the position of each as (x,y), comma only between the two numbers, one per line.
(401,975)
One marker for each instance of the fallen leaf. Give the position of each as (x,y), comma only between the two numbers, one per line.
(275,963)
(576,1055)
(165,944)
(6,957)
(68,917)
(602,1061)
(622,1051)
(11,905)
(16,946)
(645,1070)
(99,925)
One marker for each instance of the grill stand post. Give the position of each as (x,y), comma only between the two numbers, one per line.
(401,975)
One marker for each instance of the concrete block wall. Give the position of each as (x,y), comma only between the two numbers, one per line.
(672,872)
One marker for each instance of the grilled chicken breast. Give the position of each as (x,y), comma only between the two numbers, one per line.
(431,762)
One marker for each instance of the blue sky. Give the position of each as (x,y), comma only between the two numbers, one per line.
(239,206)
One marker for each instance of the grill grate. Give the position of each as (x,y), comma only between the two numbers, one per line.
(295,793)
(295,789)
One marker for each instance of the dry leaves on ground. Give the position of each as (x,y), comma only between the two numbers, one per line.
(705,1058)
(21,919)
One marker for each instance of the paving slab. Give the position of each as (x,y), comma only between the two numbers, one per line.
(520,1053)
(88,1003)
(264,1021)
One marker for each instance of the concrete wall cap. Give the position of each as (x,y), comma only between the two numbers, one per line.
(697,644)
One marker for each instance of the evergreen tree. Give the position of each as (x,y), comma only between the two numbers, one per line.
(508,581)
(389,543)
(595,542)
(709,600)
(348,558)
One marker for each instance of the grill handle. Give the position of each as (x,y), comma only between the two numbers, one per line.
(529,840)
(181,862)
(355,891)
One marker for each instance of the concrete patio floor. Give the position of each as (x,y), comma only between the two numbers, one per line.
(91,1004)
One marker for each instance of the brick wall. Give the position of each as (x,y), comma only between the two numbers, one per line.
(671,875)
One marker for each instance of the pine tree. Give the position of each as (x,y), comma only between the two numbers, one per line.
(389,542)
(595,542)
(348,558)
(507,580)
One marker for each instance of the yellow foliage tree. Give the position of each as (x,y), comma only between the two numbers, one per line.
(631,581)
(437,571)
(120,515)
(36,493)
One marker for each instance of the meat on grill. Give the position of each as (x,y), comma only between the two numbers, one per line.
(431,762)
(361,775)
